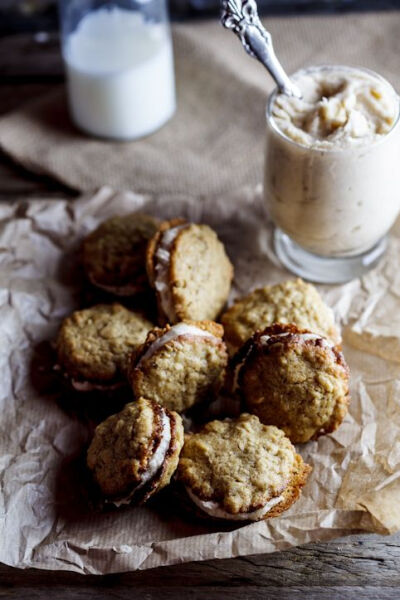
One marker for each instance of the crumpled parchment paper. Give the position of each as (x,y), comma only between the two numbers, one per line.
(44,521)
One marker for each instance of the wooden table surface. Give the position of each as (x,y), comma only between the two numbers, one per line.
(354,568)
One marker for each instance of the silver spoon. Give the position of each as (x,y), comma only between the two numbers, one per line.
(242,17)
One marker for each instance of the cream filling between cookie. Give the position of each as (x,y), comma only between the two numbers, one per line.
(155,462)
(214,509)
(119,290)
(87,386)
(236,371)
(176,331)
(304,336)
(162,261)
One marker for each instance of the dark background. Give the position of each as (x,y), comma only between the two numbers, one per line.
(41,15)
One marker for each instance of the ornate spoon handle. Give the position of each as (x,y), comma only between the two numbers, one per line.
(242,17)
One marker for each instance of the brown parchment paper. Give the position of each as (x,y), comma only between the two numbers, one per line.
(44,521)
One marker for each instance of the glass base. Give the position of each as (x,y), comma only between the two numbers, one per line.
(321,269)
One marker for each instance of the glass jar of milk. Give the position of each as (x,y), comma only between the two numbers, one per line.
(119,65)
(332,176)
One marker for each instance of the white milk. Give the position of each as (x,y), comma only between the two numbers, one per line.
(120,74)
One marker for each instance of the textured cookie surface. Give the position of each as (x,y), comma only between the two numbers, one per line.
(123,445)
(241,464)
(186,369)
(95,343)
(292,301)
(199,274)
(295,381)
(114,254)
(291,493)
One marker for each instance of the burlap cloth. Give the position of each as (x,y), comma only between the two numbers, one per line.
(215,141)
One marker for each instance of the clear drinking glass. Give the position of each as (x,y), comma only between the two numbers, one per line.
(332,208)
(119,64)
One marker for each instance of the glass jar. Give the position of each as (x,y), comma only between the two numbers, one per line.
(332,204)
(119,65)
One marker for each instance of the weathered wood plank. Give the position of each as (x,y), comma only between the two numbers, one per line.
(206,593)
(30,57)
(13,96)
(360,561)
(28,69)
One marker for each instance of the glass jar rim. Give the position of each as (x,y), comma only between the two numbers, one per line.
(271,121)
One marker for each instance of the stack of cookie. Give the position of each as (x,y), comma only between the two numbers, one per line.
(276,351)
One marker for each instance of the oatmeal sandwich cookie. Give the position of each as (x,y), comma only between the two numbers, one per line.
(294,379)
(188,267)
(134,453)
(180,366)
(241,470)
(114,254)
(94,345)
(292,301)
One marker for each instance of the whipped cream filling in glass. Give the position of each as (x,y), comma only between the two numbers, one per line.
(155,462)
(162,262)
(214,509)
(332,182)
(175,332)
